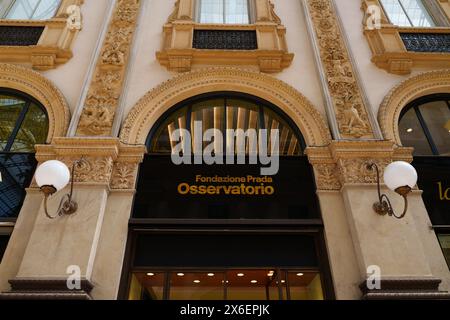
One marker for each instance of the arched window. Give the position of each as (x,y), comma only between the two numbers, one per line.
(425,125)
(29,9)
(224,11)
(23,123)
(225,111)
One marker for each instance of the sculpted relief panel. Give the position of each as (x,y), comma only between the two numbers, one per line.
(349,105)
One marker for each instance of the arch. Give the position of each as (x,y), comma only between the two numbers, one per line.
(399,97)
(152,106)
(35,85)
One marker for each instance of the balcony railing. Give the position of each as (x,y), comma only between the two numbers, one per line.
(426,42)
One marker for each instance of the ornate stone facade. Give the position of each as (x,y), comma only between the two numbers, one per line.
(105,90)
(345,91)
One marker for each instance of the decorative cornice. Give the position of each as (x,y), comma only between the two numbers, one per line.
(102,101)
(405,92)
(33,83)
(144,114)
(347,100)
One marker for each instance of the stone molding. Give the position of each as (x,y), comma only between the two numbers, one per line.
(104,93)
(151,107)
(46,289)
(389,51)
(105,161)
(346,94)
(400,96)
(55,43)
(34,84)
(345,162)
(179,55)
(405,289)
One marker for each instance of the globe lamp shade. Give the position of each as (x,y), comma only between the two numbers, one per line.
(53,173)
(400,174)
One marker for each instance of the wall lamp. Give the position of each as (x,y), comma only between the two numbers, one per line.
(53,176)
(400,177)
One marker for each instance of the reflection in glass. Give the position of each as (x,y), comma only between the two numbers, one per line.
(226,114)
(32,9)
(444,240)
(412,134)
(224,11)
(10,109)
(426,126)
(437,115)
(408,13)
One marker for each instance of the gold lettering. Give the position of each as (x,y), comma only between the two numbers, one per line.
(443,194)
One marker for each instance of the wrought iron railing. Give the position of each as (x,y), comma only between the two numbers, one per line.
(426,42)
(225,39)
(20,35)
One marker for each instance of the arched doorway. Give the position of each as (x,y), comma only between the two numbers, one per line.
(223,230)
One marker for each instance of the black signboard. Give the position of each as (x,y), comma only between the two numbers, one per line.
(434,180)
(166,190)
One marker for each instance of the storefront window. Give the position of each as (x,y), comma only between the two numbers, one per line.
(23,123)
(236,284)
(425,125)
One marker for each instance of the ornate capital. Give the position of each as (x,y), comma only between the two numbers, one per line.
(345,162)
(105,161)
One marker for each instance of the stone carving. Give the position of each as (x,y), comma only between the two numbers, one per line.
(352,171)
(124,175)
(139,119)
(97,117)
(351,112)
(327,177)
(90,169)
(74,17)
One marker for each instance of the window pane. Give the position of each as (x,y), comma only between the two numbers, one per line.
(417,13)
(251,285)
(444,240)
(412,134)
(33,130)
(197,286)
(236,11)
(395,13)
(33,9)
(305,286)
(147,286)
(17,171)
(437,116)
(10,109)
(211,11)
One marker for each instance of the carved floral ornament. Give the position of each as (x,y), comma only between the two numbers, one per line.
(34,84)
(348,102)
(106,86)
(400,96)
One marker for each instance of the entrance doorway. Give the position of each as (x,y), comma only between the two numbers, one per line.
(185,244)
